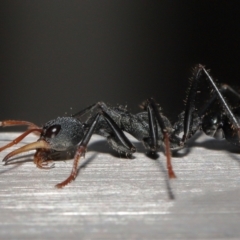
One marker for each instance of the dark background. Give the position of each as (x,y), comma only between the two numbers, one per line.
(57,57)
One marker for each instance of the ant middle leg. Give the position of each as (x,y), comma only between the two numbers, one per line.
(122,150)
(154,117)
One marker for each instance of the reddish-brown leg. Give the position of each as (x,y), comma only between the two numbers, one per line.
(171,173)
(80,152)
(159,118)
(83,145)
(18,139)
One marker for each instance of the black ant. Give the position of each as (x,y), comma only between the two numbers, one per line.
(150,127)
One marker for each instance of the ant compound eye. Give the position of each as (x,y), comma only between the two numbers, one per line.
(62,133)
(52,131)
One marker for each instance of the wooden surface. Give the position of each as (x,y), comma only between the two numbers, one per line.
(115,198)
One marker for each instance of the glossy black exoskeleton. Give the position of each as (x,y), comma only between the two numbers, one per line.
(150,127)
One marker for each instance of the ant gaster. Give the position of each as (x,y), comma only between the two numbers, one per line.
(150,127)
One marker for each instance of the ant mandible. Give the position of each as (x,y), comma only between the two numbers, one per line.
(150,127)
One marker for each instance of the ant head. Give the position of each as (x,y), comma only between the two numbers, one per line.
(59,134)
(62,133)
(213,124)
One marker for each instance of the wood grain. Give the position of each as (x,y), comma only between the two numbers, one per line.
(116,198)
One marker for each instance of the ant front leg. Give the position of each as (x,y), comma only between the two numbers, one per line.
(83,144)
(79,153)
(190,105)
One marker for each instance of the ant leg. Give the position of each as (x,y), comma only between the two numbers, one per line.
(117,140)
(190,104)
(225,106)
(153,130)
(165,133)
(116,145)
(118,133)
(83,144)
(80,152)
(222,100)
(84,111)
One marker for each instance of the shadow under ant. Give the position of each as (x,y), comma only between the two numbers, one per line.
(98,147)
(211,144)
(102,146)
